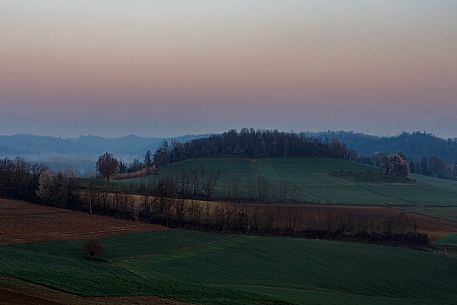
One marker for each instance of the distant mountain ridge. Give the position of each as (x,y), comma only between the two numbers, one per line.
(84,145)
(80,153)
(415,146)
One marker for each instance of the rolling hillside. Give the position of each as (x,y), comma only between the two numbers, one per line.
(310,180)
(207,268)
(415,146)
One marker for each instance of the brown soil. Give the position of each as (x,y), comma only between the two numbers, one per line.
(22,222)
(314,216)
(434,227)
(17,292)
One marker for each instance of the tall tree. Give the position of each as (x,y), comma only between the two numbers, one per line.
(161,156)
(122,167)
(107,166)
(148,159)
(437,167)
(396,165)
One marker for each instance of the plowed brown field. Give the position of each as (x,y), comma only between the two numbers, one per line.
(314,216)
(22,222)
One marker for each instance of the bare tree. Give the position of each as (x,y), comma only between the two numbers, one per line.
(55,189)
(45,185)
(396,165)
(210,180)
(92,190)
(107,166)
(235,190)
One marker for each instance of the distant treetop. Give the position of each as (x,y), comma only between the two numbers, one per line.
(250,143)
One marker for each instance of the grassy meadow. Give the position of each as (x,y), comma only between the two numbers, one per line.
(310,180)
(448,240)
(207,268)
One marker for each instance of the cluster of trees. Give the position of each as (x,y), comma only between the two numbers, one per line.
(102,200)
(427,154)
(34,182)
(19,179)
(57,189)
(205,184)
(434,167)
(395,165)
(109,167)
(250,143)
(269,219)
(398,165)
(136,165)
(188,184)
(415,146)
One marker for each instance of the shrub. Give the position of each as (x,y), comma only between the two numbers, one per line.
(93,248)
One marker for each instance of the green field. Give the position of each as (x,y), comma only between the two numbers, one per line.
(448,240)
(206,268)
(314,182)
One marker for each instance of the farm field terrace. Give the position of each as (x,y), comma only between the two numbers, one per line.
(207,268)
(314,181)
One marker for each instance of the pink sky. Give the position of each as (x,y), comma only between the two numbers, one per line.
(174,67)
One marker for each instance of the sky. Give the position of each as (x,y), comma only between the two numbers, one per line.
(167,67)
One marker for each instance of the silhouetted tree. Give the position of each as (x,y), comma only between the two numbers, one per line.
(250,143)
(135,166)
(122,167)
(161,156)
(107,166)
(396,165)
(148,159)
(437,167)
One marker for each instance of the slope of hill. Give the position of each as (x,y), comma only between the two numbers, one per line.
(207,268)
(414,145)
(309,180)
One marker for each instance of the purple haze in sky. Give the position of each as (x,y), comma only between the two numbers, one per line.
(163,68)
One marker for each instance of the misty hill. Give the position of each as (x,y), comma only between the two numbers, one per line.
(414,145)
(79,153)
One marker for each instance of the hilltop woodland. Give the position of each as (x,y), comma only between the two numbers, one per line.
(428,155)
(252,144)
(172,201)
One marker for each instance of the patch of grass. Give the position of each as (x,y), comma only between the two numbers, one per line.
(447,213)
(370,176)
(448,240)
(206,268)
(311,180)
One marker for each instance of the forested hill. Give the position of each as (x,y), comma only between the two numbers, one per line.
(415,145)
(250,143)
